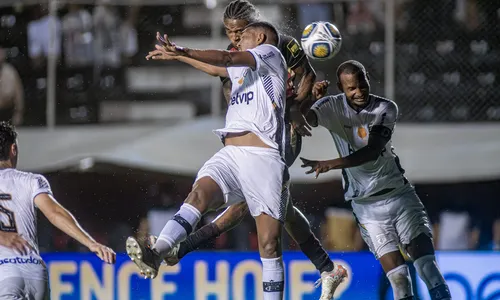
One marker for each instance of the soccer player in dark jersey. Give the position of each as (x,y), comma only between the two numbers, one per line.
(237,15)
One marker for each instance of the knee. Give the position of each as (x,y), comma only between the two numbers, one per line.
(269,245)
(203,200)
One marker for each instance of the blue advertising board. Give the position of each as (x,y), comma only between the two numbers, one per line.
(237,275)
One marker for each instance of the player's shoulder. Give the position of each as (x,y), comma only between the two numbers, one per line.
(331,100)
(383,104)
(18,175)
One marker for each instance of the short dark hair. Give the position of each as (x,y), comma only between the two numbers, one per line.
(241,10)
(275,36)
(350,67)
(8,137)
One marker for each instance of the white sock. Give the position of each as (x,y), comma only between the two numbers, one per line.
(177,229)
(401,282)
(428,270)
(273,277)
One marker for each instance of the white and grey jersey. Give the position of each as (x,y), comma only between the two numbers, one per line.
(257,101)
(18,214)
(350,130)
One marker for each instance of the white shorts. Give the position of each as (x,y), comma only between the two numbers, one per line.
(253,174)
(387,224)
(18,288)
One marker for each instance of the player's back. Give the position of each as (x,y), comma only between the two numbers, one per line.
(18,214)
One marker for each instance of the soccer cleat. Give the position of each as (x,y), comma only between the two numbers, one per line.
(147,259)
(172,257)
(330,281)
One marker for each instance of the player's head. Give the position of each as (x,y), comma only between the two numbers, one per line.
(353,81)
(258,33)
(8,144)
(237,15)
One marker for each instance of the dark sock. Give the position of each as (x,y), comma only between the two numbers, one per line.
(441,292)
(317,255)
(409,298)
(198,238)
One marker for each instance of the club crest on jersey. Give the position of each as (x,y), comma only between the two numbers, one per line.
(242,98)
(241,79)
(362,133)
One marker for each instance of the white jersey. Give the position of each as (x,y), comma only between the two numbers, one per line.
(18,214)
(258,98)
(350,131)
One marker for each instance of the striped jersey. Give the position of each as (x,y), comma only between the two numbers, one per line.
(350,130)
(257,101)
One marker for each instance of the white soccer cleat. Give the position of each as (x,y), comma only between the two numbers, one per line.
(144,257)
(329,281)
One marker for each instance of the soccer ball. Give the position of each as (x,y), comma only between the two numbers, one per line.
(321,40)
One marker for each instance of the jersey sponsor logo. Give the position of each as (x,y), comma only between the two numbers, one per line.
(293,47)
(42,183)
(20,261)
(5,197)
(242,98)
(267,56)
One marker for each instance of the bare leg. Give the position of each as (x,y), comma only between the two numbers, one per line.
(269,235)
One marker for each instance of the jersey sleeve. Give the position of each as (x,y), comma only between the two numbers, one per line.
(40,185)
(325,111)
(385,119)
(292,51)
(268,59)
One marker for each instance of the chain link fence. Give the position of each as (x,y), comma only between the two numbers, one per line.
(448,60)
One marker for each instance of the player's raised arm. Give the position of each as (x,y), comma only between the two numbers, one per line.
(62,219)
(161,53)
(224,58)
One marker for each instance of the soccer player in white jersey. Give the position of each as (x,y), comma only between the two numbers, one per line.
(386,207)
(237,15)
(251,164)
(23,274)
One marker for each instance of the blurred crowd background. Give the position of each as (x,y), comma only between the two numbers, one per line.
(446,69)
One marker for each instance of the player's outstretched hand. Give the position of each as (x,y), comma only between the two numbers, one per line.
(317,166)
(320,88)
(16,242)
(104,253)
(161,54)
(168,45)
